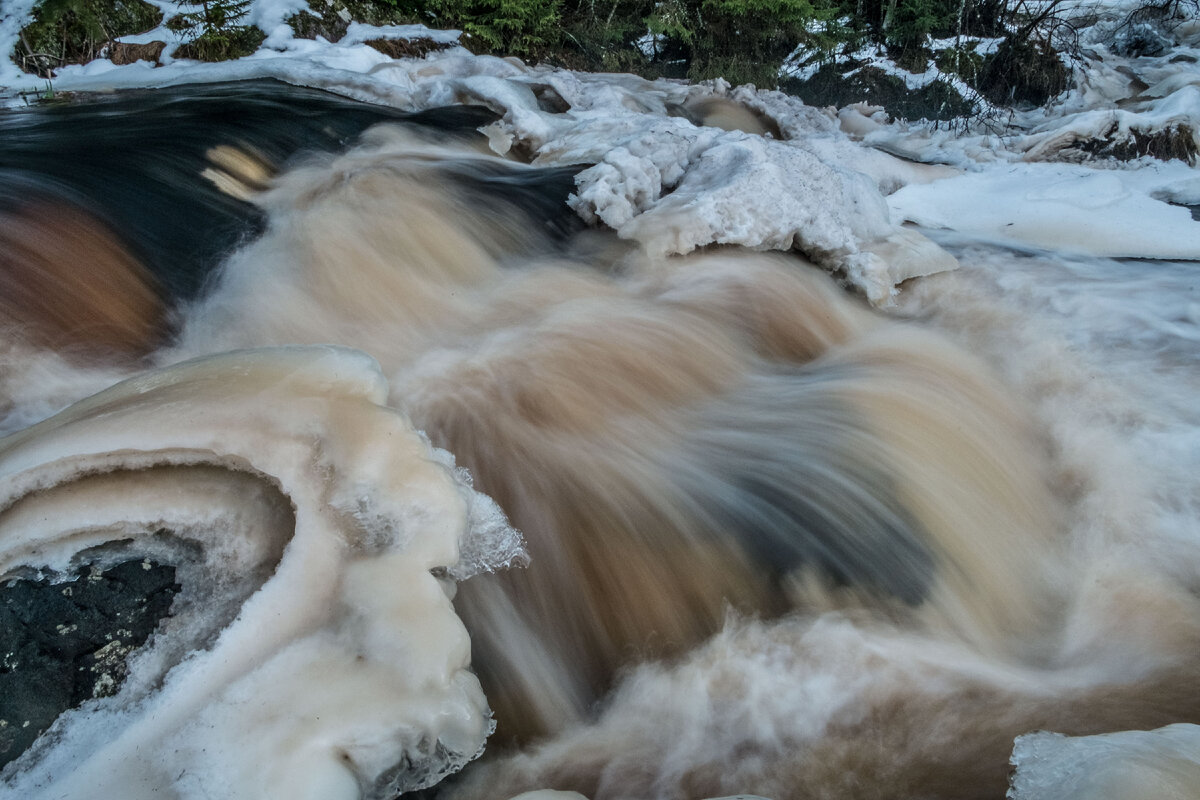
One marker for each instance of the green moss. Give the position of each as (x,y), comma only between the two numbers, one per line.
(74,31)
(224,45)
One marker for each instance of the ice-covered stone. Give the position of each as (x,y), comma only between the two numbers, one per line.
(1162,764)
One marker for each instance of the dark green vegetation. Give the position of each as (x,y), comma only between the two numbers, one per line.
(66,642)
(743,41)
(216,31)
(982,54)
(747,41)
(74,31)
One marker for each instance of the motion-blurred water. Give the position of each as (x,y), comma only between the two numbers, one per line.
(779,543)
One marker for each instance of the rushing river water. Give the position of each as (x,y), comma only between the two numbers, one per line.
(775,541)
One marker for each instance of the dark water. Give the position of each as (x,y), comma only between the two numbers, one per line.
(134,160)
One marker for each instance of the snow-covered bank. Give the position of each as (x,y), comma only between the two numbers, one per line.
(672,186)
(659,179)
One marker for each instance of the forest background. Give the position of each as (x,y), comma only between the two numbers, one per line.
(974,55)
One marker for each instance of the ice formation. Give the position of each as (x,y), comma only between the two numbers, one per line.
(317,510)
(1162,764)
(1074,208)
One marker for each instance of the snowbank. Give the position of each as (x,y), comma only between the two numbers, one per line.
(1065,207)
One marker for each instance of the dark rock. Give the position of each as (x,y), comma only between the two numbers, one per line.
(1174,142)
(847,83)
(407,48)
(67,642)
(124,53)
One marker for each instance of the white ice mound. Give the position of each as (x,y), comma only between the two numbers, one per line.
(1162,764)
(343,674)
(1104,212)
(677,190)
(671,170)
(675,186)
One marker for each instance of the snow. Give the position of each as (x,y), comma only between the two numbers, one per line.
(14,15)
(1179,107)
(802,63)
(1063,206)
(359,32)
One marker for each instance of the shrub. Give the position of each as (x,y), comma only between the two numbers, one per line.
(520,27)
(217,36)
(525,28)
(224,45)
(74,31)
(745,41)
(1022,72)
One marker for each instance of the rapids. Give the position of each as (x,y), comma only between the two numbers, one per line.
(772,540)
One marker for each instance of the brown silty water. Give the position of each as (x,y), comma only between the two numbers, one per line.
(779,543)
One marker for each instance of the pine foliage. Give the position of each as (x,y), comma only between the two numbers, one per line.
(217,31)
(75,31)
